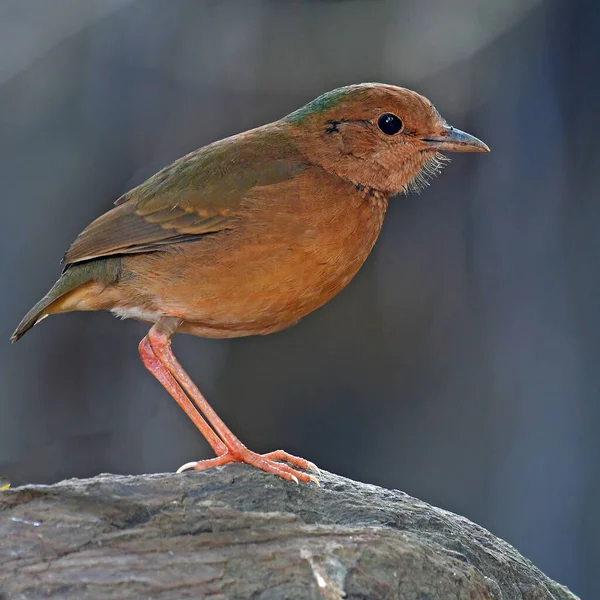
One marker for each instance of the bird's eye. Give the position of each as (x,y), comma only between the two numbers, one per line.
(390,124)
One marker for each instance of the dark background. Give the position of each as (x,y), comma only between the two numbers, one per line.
(462,364)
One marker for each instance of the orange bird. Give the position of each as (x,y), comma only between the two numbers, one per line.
(249,234)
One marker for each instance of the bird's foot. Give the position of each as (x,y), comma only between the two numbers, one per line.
(265,462)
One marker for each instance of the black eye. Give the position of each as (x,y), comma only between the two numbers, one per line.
(390,124)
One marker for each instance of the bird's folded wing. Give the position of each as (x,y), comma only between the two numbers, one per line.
(198,194)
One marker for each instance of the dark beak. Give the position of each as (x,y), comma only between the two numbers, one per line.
(455,140)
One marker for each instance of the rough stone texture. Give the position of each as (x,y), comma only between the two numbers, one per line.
(235,532)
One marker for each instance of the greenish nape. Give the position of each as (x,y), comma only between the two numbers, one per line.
(318,105)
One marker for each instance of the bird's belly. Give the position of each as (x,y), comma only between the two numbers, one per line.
(266,295)
(252,308)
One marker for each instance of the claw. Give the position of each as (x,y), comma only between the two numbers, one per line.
(187,466)
(315,480)
(313,467)
(295,479)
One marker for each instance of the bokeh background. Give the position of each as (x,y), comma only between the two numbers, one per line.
(462,363)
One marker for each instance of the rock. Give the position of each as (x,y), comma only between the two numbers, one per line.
(235,532)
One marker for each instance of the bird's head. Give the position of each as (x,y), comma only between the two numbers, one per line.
(381,136)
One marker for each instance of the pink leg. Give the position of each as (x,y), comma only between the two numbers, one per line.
(225,444)
(162,374)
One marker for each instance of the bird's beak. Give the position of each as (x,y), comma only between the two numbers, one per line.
(455,140)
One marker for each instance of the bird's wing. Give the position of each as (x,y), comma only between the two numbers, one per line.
(198,194)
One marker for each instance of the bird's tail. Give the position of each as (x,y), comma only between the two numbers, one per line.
(63,295)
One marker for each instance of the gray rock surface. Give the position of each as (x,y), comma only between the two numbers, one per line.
(235,532)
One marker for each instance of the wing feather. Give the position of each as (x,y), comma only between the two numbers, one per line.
(198,194)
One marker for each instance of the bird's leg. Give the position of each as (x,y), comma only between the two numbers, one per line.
(159,339)
(153,364)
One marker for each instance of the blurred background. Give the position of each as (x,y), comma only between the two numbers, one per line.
(461,365)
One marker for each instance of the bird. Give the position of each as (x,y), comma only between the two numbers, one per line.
(251,233)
